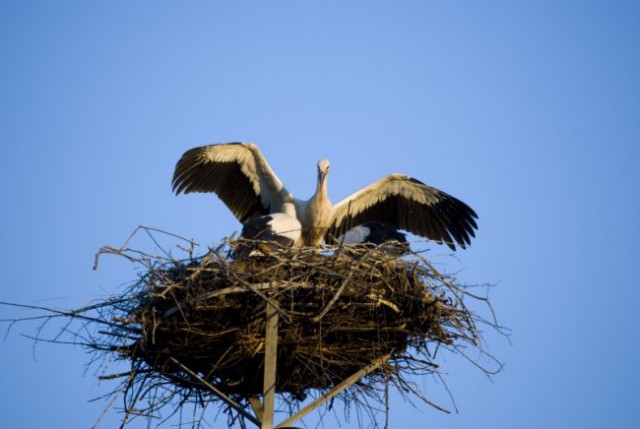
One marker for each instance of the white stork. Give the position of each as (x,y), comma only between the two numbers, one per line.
(283,227)
(241,177)
(379,234)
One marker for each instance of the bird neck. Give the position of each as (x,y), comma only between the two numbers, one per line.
(318,214)
(320,203)
(321,188)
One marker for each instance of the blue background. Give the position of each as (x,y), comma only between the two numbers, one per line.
(528,111)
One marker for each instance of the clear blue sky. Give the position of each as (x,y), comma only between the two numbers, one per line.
(529,111)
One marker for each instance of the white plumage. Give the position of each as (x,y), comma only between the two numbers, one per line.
(241,177)
(282,227)
(356,235)
(386,236)
(264,233)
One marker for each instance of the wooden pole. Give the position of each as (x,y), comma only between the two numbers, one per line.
(270,360)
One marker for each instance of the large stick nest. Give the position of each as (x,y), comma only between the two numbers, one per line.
(337,314)
(193,325)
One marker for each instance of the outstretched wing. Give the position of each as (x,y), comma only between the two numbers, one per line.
(237,173)
(408,204)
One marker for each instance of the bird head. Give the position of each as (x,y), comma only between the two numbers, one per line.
(323,170)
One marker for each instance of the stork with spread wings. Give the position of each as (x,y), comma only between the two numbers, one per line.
(241,177)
